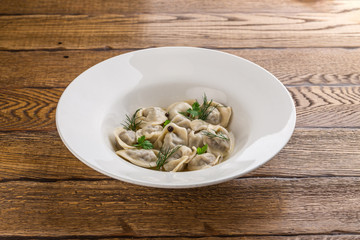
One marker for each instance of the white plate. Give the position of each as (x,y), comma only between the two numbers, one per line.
(96,102)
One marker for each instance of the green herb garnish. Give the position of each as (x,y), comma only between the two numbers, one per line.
(164,154)
(201,150)
(194,110)
(142,143)
(130,122)
(166,122)
(213,135)
(199,112)
(206,108)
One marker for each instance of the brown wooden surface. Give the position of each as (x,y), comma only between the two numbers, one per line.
(26,7)
(188,29)
(310,190)
(296,66)
(240,207)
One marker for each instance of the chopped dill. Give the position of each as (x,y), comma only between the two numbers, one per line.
(130,122)
(213,135)
(164,154)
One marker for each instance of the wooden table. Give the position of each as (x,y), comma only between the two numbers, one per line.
(310,190)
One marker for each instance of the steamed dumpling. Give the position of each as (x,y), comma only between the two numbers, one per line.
(183,133)
(178,160)
(151,115)
(220,115)
(181,121)
(196,139)
(214,117)
(202,161)
(141,157)
(218,146)
(151,132)
(177,107)
(171,136)
(198,125)
(125,138)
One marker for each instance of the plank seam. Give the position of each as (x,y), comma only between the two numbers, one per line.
(288,178)
(337,233)
(5,131)
(108,48)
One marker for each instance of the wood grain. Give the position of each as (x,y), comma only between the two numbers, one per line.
(239,207)
(310,152)
(28,108)
(34,109)
(327,106)
(335,236)
(225,30)
(296,237)
(175,6)
(319,66)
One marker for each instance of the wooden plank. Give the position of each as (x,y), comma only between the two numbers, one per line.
(225,30)
(39,155)
(296,237)
(28,108)
(34,109)
(327,106)
(310,152)
(238,207)
(319,66)
(163,6)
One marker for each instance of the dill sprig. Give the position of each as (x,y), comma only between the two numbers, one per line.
(164,154)
(206,108)
(130,122)
(215,135)
(200,112)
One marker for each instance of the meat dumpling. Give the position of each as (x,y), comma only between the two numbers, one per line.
(141,157)
(171,136)
(151,115)
(203,161)
(178,160)
(196,139)
(214,117)
(219,146)
(198,125)
(220,115)
(125,138)
(181,121)
(225,113)
(177,107)
(151,132)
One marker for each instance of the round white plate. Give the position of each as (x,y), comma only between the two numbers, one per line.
(96,102)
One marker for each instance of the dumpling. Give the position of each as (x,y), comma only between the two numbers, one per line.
(198,125)
(181,121)
(140,157)
(196,139)
(202,161)
(125,138)
(219,146)
(220,115)
(177,107)
(225,113)
(171,136)
(214,117)
(151,115)
(151,132)
(178,160)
